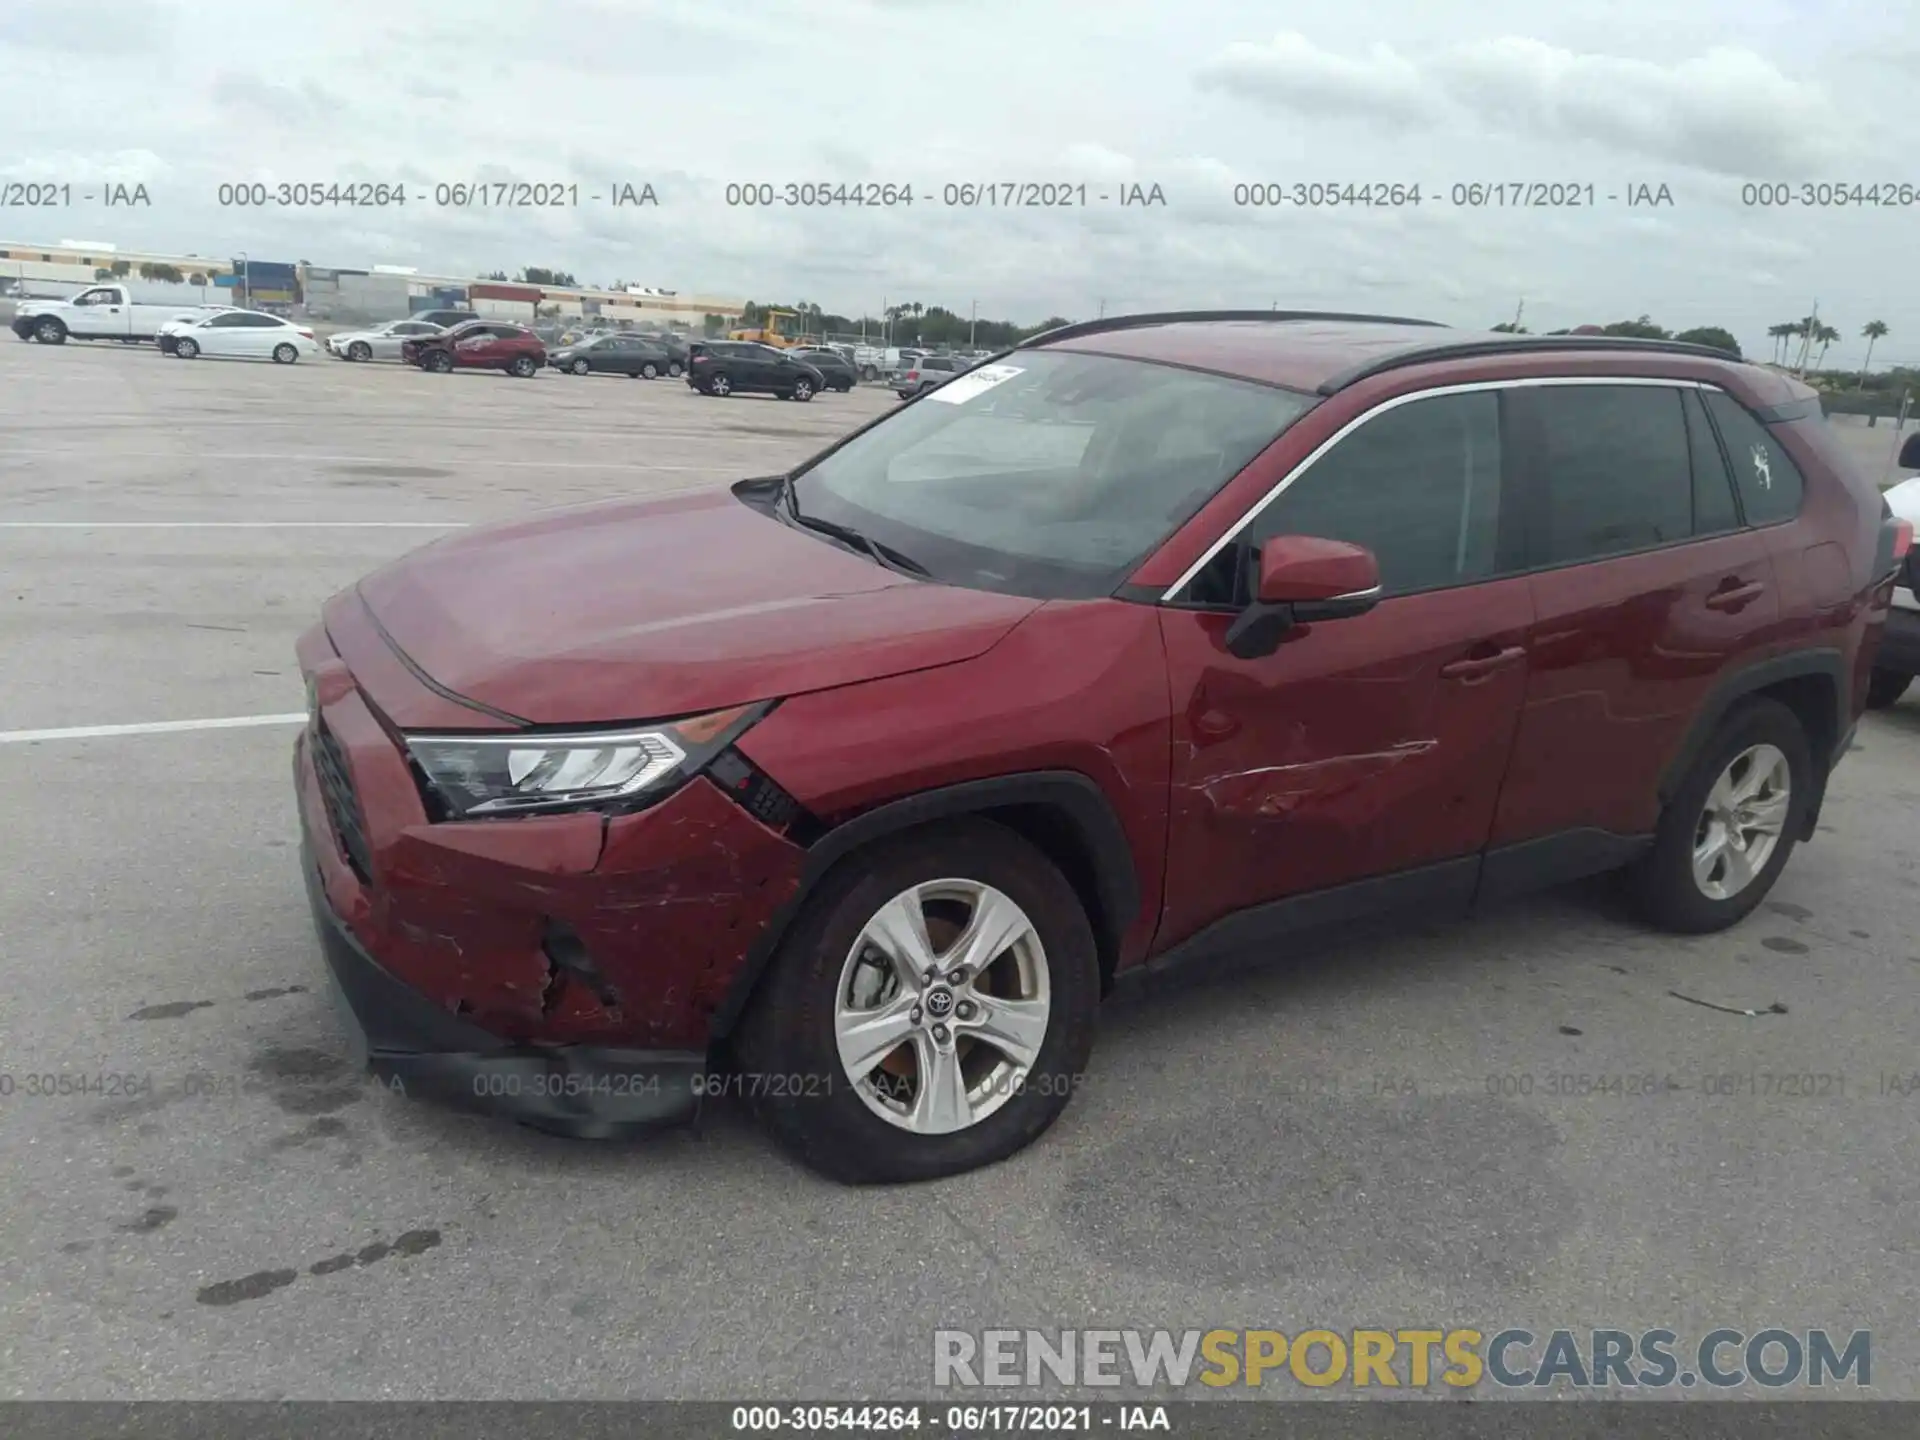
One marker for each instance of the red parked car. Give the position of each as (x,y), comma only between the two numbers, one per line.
(478,345)
(1160,637)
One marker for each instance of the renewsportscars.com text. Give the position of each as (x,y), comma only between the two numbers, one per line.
(1603,1359)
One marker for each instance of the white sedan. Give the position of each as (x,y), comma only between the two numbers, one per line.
(239,334)
(382,342)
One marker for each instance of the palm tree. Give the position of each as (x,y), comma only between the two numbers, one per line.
(1873,330)
(1780,334)
(1826,335)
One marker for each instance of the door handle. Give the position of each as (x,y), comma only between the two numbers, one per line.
(1481,662)
(1733,594)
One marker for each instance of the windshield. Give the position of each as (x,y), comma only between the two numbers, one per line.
(1052,475)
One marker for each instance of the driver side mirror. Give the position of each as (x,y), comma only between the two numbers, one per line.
(1910,452)
(1303,580)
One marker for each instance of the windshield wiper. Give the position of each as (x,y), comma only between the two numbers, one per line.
(884,553)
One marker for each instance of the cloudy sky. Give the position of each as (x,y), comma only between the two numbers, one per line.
(1194,96)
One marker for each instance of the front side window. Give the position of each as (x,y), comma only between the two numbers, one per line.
(1051,476)
(1771,486)
(1417,484)
(1612,469)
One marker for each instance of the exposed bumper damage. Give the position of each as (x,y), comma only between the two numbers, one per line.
(561,969)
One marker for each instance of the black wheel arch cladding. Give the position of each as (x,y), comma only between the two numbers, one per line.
(1051,809)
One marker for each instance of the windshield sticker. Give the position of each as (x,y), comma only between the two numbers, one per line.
(975,382)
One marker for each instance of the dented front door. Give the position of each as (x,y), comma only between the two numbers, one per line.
(1359,748)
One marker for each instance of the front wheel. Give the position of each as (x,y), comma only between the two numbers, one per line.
(359,350)
(579,367)
(650,371)
(869,372)
(50,332)
(802,391)
(285,354)
(930,1012)
(1729,828)
(1886,687)
(186,349)
(521,367)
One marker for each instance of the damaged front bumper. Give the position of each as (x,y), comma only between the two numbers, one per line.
(565,970)
(587,1091)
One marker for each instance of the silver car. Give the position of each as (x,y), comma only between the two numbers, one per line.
(382,342)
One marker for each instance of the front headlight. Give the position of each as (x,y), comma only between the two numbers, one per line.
(538,773)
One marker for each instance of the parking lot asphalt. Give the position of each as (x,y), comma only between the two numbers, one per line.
(1416,1126)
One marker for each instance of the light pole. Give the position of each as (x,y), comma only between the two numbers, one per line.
(973,323)
(246,282)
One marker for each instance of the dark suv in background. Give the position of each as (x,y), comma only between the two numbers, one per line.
(835,368)
(727,367)
(1169,637)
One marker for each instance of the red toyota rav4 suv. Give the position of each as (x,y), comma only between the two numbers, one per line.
(1160,637)
(478,345)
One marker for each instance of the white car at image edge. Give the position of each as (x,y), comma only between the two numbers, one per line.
(1899,658)
(238,335)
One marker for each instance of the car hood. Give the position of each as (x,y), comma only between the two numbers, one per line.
(650,609)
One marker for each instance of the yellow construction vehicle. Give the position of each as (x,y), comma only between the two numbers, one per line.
(772,329)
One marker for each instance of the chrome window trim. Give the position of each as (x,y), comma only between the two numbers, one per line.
(1393,403)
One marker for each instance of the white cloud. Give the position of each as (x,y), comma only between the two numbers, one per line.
(691,96)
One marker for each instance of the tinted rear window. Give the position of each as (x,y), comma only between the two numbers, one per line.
(1770,483)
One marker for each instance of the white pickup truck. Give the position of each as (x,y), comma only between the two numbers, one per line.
(101,312)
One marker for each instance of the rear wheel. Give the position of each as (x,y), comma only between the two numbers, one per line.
(720,385)
(284,354)
(1886,687)
(802,390)
(675,369)
(438,361)
(1726,834)
(931,1010)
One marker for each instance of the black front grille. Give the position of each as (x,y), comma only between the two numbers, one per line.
(343,806)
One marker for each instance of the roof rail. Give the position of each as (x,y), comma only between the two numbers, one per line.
(1469,346)
(1175,317)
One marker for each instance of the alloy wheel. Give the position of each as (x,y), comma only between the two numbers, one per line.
(942,1006)
(1742,821)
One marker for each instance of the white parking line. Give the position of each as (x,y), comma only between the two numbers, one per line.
(233,524)
(157,727)
(453,462)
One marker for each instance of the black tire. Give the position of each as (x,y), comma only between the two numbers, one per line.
(1886,687)
(1661,883)
(521,367)
(579,367)
(187,349)
(649,371)
(285,354)
(788,1029)
(50,331)
(360,350)
(868,372)
(676,369)
(720,385)
(802,390)
(438,361)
